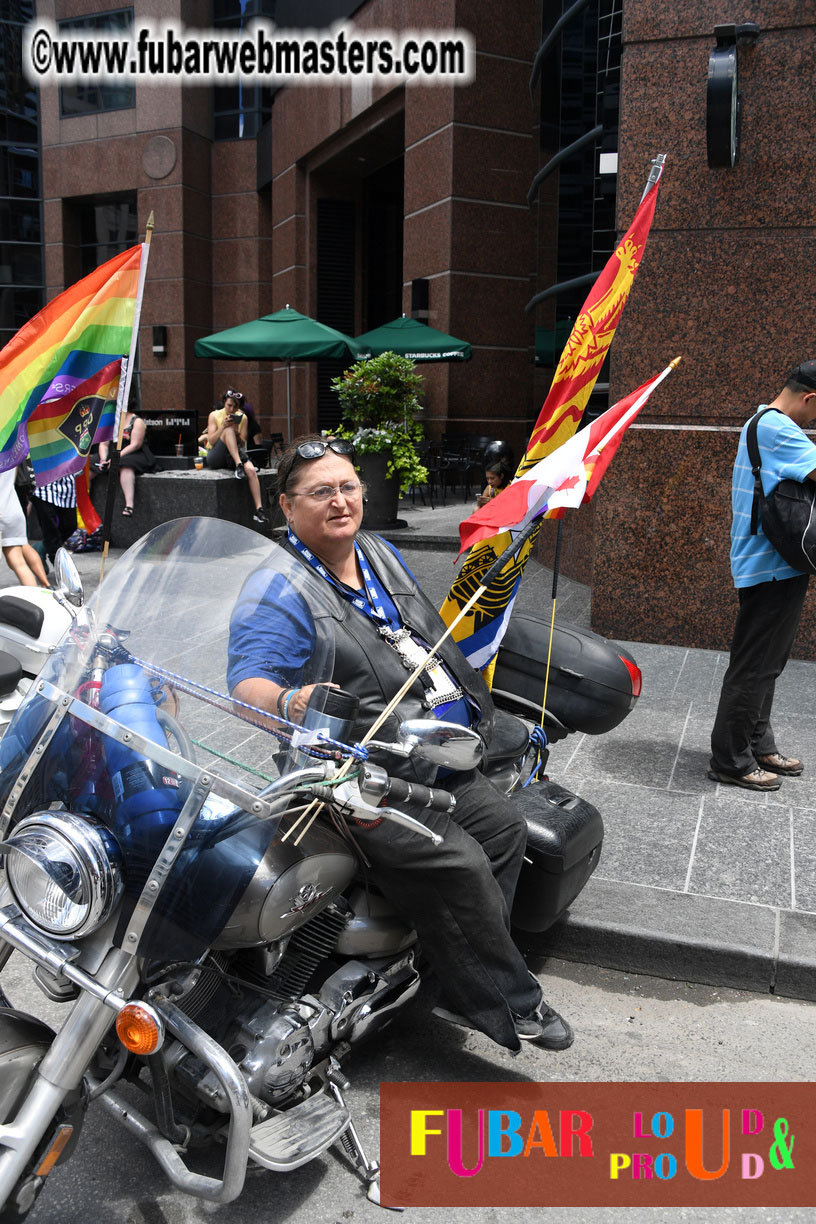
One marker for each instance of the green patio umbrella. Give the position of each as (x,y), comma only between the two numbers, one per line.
(412,339)
(286,336)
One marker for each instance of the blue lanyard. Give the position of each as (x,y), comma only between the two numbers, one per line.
(377,604)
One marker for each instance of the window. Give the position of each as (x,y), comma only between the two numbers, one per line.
(107,225)
(240,111)
(21,265)
(580,89)
(90,99)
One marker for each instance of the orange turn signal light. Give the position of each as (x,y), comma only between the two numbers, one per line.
(139,1028)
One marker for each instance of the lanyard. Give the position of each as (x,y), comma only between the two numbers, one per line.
(377,604)
(444,697)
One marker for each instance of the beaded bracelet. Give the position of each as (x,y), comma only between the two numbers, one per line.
(283,693)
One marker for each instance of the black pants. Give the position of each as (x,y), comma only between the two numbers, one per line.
(57,523)
(458,897)
(767,621)
(219,457)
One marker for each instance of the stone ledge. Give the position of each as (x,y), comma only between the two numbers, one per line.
(162,496)
(682,936)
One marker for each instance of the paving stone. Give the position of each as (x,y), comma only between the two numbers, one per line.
(649,834)
(640,750)
(740,858)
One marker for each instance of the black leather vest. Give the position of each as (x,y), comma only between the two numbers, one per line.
(364,664)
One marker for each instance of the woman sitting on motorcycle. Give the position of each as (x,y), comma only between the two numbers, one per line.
(457,895)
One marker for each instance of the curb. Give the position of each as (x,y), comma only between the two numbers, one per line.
(636,928)
(409,537)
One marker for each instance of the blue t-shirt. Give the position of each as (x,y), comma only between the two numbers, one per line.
(786,454)
(272,636)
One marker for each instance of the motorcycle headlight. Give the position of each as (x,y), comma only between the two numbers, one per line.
(64,871)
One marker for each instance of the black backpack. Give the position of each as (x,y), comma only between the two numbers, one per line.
(788,512)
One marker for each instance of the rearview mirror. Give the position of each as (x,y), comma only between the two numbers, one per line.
(69,582)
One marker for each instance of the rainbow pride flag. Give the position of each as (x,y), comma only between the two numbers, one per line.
(59,374)
(62,431)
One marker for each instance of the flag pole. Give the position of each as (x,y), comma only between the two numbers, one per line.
(556,562)
(122,400)
(658,163)
(574,377)
(671,366)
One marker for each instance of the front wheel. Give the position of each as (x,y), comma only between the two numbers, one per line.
(24,1041)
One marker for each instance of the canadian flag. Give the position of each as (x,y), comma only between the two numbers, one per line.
(563,479)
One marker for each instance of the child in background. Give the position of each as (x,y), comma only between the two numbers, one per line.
(498,475)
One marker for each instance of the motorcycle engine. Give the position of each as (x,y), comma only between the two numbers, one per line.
(299,1000)
(274,1050)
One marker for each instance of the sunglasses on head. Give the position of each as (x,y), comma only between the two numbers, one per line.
(318,448)
(236,395)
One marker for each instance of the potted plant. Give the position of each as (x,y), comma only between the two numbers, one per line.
(379,398)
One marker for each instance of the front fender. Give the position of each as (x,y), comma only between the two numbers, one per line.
(23,1041)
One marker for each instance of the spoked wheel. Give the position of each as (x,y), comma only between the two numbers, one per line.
(23,1044)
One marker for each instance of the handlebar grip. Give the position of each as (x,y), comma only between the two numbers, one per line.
(400,791)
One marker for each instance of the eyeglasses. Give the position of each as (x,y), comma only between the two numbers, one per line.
(348,489)
(318,448)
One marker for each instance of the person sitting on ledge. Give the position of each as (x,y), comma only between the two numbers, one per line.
(226,447)
(135,458)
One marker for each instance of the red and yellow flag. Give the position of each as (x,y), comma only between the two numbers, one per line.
(480,632)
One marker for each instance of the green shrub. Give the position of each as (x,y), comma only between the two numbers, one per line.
(380,400)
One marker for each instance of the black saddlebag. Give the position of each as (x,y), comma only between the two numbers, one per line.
(564,837)
(593,683)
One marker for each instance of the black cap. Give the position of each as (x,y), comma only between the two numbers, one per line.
(804,374)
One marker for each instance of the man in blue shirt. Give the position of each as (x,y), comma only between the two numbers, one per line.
(771,596)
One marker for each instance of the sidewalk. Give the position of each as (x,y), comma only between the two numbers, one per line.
(696,880)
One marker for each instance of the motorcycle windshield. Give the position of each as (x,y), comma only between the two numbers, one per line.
(196,614)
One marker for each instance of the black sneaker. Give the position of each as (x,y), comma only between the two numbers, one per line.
(545,1028)
(260,517)
(239,473)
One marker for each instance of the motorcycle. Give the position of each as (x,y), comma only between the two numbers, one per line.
(32,622)
(178,867)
